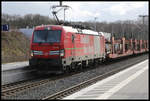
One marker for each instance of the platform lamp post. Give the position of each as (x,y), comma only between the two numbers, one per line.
(143,20)
(143,17)
(122,27)
(64,14)
(95,22)
(112,32)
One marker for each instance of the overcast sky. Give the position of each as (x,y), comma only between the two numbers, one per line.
(81,11)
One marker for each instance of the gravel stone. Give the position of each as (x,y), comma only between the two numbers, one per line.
(61,84)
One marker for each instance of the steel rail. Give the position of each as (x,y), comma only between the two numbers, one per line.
(75,88)
(17,88)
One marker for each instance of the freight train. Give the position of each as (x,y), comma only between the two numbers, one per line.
(60,48)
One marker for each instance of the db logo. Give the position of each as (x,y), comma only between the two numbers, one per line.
(46,54)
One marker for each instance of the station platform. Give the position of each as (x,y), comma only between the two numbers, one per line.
(14,65)
(131,83)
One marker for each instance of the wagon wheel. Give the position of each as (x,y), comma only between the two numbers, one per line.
(80,67)
(94,63)
(64,69)
(73,66)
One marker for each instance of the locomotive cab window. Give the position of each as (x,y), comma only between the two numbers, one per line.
(47,36)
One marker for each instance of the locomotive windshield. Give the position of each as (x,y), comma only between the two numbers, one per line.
(46,36)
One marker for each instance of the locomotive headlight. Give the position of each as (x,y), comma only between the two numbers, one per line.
(37,52)
(62,52)
(31,53)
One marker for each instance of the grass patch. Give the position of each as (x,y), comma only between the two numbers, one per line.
(15,47)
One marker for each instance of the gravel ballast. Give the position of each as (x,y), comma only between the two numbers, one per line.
(61,84)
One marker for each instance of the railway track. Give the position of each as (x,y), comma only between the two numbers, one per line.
(8,90)
(12,89)
(73,89)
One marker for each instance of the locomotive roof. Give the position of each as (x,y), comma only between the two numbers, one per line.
(72,29)
(77,30)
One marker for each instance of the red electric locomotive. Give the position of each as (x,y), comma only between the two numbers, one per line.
(63,48)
